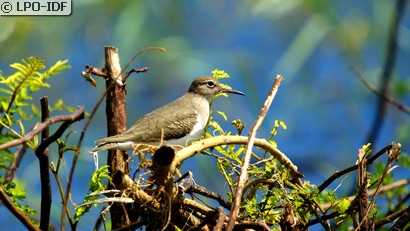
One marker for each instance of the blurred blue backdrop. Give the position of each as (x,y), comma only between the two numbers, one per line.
(313,44)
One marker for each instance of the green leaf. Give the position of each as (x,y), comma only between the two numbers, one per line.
(59,66)
(35,110)
(22,129)
(343,205)
(273,143)
(282,124)
(223,115)
(367,149)
(404,160)
(100,174)
(58,105)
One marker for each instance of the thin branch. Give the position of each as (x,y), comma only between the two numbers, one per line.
(246,159)
(393,155)
(379,223)
(362,190)
(140,53)
(16,212)
(338,174)
(387,70)
(134,70)
(402,221)
(197,147)
(77,115)
(205,192)
(77,153)
(391,217)
(18,156)
(384,188)
(384,96)
(96,71)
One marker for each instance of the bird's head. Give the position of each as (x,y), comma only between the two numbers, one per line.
(208,86)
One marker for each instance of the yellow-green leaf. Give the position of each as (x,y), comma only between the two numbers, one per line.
(222,114)
(23,131)
(219,74)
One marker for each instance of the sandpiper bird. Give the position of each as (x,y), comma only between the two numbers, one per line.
(177,123)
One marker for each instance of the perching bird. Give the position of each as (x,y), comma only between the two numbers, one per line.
(176,123)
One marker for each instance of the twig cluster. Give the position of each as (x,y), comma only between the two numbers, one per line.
(42,154)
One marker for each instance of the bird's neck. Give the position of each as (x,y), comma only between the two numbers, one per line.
(201,105)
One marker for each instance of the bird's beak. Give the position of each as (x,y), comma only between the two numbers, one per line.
(231,91)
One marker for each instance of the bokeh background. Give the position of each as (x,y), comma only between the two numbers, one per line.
(313,44)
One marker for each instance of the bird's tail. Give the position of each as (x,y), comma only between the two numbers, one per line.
(117,145)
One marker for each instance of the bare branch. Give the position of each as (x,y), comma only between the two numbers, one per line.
(18,156)
(246,159)
(338,174)
(362,190)
(402,221)
(384,188)
(391,217)
(135,70)
(393,154)
(42,155)
(96,71)
(381,94)
(77,115)
(197,147)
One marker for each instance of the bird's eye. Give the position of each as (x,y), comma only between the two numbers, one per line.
(210,84)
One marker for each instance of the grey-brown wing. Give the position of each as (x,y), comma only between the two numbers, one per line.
(170,125)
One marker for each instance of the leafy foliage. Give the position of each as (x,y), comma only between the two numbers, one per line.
(97,183)
(17,108)
(30,76)
(271,196)
(17,194)
(16,102)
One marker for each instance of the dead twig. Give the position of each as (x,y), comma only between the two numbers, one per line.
(393,155)
(362,191)
(402,221)
(96,71)
(18,156)
(338,174)
(391,217)
(134,70)
(381,94)
(77,115)
(246,159)
(383,189)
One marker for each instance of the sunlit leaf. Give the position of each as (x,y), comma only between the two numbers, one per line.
(343,205)
(223,115)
